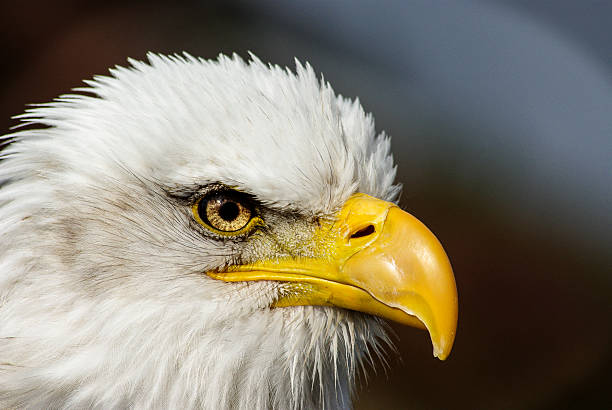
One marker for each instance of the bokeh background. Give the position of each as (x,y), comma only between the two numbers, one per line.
(501,117)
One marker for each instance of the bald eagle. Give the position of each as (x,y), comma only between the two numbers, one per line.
(190,233)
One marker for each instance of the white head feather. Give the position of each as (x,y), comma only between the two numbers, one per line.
(103,300)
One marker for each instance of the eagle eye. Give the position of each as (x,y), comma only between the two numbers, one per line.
(224,212)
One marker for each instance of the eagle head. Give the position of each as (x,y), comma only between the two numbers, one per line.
(216,234)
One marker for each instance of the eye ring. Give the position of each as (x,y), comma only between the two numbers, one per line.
(226,213)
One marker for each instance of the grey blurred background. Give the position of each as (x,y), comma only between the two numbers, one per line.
(501,117)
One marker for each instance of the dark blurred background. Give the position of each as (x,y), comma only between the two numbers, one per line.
(501,117)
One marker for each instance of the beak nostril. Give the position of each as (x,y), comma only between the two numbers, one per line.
(368,230)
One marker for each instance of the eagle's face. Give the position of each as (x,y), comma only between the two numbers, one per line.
(206,233)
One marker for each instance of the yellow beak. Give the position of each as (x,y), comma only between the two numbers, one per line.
(374,258)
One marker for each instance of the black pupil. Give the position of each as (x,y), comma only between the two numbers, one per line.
(229,211)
